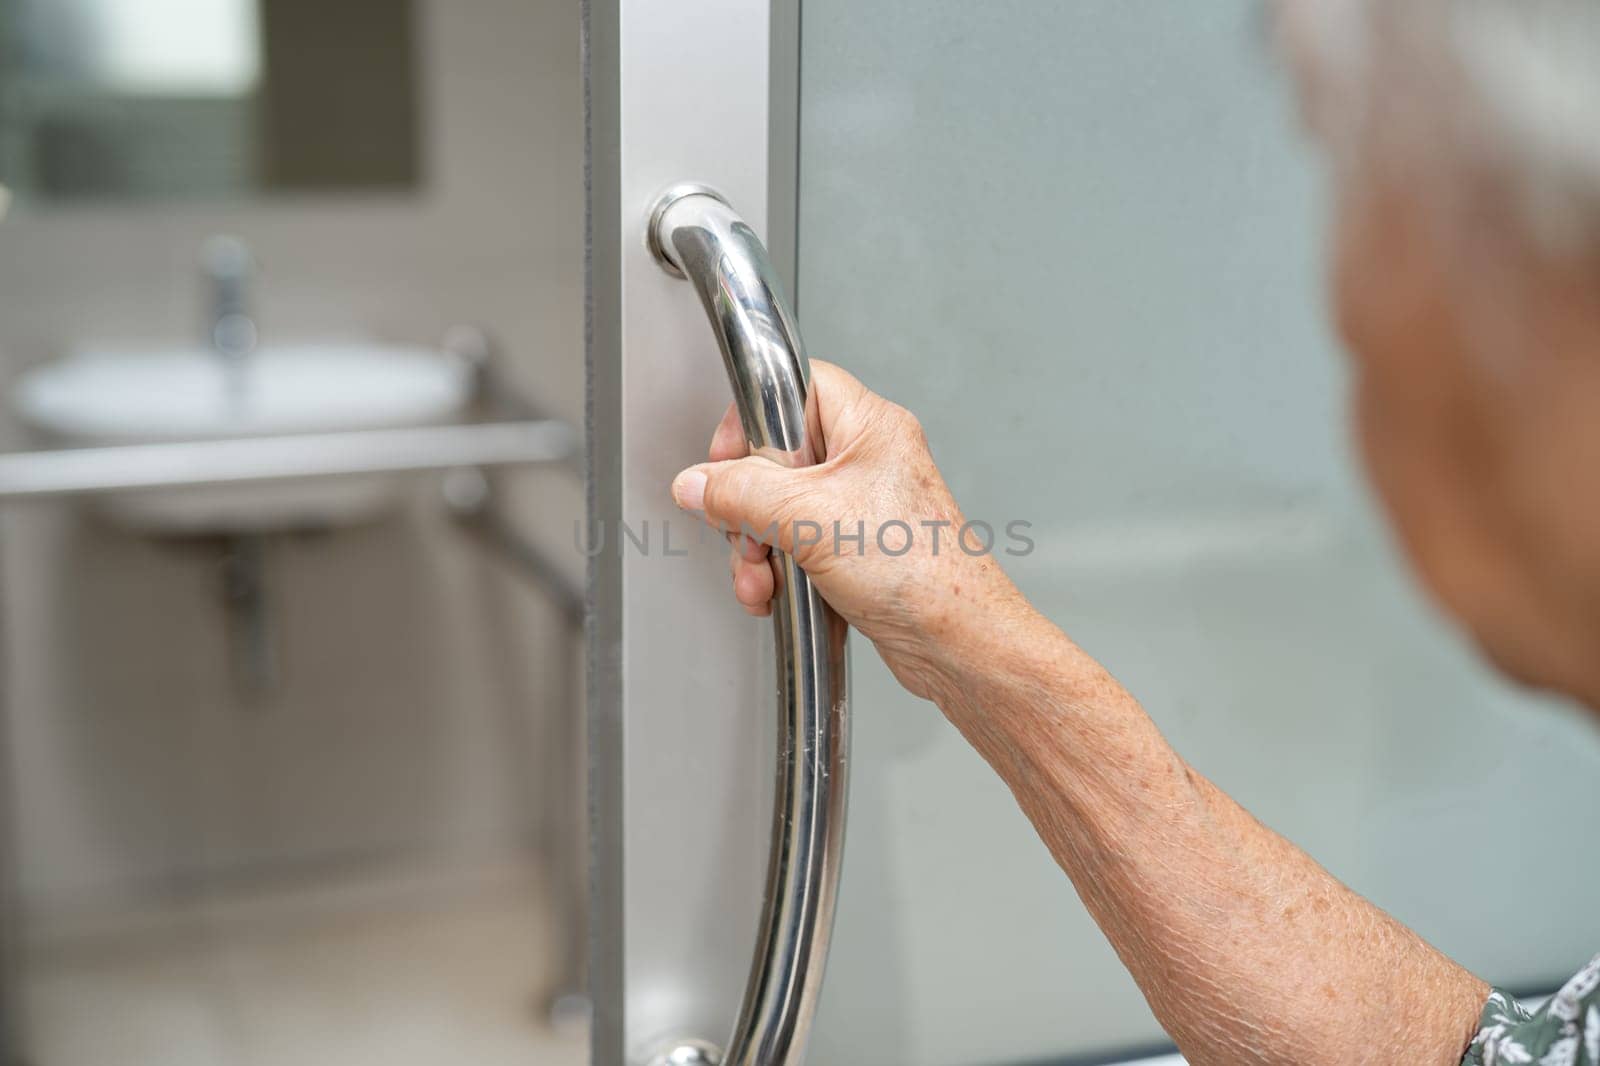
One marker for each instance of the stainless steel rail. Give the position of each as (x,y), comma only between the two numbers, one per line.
(697,235)
(135,467)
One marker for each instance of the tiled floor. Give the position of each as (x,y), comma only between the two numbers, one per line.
(394,984)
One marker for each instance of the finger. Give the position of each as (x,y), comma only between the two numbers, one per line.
(753,586)
(752,583)
(756,610)
(747,547)
(752,495)
(728,442)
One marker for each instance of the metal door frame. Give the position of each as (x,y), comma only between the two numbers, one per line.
(679,680)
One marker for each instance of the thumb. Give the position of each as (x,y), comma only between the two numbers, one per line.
(751,495)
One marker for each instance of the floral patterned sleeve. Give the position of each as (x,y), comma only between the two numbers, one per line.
(1564,1032)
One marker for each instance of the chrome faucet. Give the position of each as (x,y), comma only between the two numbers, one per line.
(228,268)
(232,334)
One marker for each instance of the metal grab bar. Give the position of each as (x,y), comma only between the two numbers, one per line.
(696,234)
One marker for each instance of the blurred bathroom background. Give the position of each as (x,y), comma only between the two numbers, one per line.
(292,764)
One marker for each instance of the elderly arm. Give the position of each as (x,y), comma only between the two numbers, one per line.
(1247,950)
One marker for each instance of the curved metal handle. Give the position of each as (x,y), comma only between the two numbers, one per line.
(697,235)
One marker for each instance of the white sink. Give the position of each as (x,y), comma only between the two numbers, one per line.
(109,397)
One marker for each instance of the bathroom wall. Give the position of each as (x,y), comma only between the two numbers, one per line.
(423,677)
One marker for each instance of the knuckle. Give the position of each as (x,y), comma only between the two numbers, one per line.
(912,426)
(904,426)
(829,375)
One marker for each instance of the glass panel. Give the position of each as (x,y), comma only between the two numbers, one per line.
(1082,241)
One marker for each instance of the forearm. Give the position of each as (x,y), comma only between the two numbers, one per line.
(1248,951)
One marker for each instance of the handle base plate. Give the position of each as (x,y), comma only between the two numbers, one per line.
(687,1053)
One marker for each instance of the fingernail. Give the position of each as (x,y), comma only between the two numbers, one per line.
(689,489)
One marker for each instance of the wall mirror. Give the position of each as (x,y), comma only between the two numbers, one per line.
(105,100)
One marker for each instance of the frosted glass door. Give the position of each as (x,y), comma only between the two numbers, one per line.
(1081,239)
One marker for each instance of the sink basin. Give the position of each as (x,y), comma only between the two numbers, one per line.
(110,397)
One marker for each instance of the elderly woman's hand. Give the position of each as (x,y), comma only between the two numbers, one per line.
(1249,952)
(873,525)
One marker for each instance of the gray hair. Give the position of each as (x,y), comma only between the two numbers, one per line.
(1510,85)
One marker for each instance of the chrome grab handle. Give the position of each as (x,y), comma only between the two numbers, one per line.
(696,234)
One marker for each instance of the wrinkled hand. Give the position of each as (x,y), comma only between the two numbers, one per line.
(906,583)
